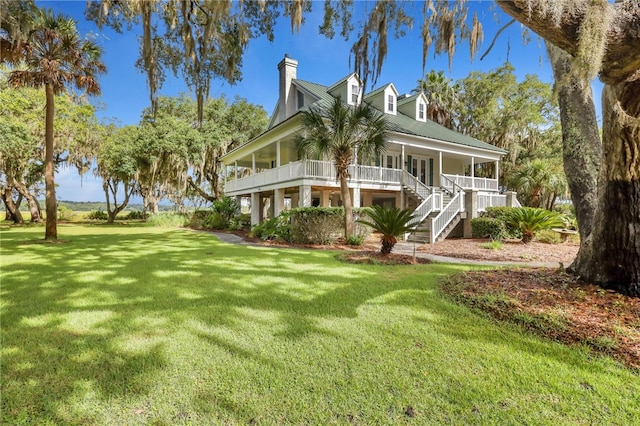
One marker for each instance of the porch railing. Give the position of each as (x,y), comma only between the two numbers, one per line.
(410,181)
(468,182)
(314,169)
(491,200)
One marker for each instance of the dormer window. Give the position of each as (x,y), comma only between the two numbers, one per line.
(391,103)
(421,111)
(355,91)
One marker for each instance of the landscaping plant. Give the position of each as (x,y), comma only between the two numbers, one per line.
(391,223)
(530,220)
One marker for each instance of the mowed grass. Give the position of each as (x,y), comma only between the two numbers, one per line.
(138,325)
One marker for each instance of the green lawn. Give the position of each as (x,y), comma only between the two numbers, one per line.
(141,325)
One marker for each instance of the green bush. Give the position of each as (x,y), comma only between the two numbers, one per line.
(489,227)
(548,236)
(215,221)
(166,220)
(391,223)
(501,213)
(530,220)
(98,215)
(277,228)
(65,213)
(316,225)
(198,217)
(356,240)
(227,208)
(135,215)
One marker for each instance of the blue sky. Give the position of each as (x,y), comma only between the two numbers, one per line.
(125,95)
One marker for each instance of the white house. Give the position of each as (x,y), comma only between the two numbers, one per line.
(425,166)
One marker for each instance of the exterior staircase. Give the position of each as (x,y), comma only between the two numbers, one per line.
(435,209)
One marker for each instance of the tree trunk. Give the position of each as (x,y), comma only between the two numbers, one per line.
(346,203)
(111,189)
(34,206)
(582,148)
(51,229)
(615,254)
(11,207)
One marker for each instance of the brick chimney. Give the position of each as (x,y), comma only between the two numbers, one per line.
(287,100)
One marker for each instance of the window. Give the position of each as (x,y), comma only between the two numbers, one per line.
(300,99)
(421,111)
(354,93)
(390,103)
(389,161)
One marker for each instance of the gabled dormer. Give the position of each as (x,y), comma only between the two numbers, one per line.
(348,89)
(384,98)
(415,106)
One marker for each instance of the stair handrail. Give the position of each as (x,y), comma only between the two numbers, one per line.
(440,222)
(410,181)
(455,188)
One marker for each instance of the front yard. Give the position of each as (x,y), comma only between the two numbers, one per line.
(131,324)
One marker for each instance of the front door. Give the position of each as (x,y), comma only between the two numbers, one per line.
(422,168)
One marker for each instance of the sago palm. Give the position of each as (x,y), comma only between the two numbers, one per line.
(530,220)
(391,223)
(340,132)
(54,57)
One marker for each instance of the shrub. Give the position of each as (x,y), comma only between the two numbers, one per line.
(215,221)
(227,208)
(356,240)
(316,225)
(489,227)
(548,236)
(498,212)
(135,215)
(492,245)
(65,213)
(168,219)
(98,215)
(277,228)
(391,223)
(531,220)
(198,218)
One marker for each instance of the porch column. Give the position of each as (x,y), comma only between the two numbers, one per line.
(473,172)
(253,163)
(402,157)
(304,199)
(497,176)
(295,197)
(255,208)
(235,173)
(367,199)
(324,198)
(439,167)
(471,206)
(267,206)
(278,154)
(355,197)
(278,201)
(511,198)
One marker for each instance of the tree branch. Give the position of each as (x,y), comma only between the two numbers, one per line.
(496,37)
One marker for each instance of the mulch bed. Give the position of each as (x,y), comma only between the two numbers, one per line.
(377,258)
(557,306)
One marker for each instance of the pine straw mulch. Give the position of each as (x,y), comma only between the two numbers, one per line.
(557,306)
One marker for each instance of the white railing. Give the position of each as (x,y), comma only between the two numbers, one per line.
(448,213)
(314,169)
(468,182)
(410,181)
(516,202)
(491,200)
(450,184)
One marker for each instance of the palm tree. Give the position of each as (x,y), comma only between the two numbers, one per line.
(540,182)
(54,56)
(530,220)
(391,223)
(442,96)
(341,133)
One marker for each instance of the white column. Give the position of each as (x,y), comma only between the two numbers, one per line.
(402,157)
(305,196)
(497,176)
(473,173)
(439,166)
(253,163)
(278,202)
(355,199)
(278,154)
(255,208)
(235,174)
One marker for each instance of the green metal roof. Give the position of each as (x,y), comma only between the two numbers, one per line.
(402,123)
